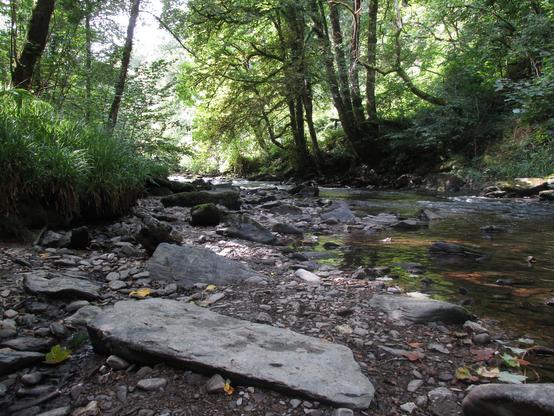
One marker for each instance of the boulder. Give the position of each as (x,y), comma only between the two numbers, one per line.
(53,239)
(417,310)
(44,283)
(225,197)
(11,361)
(340,212)
(205,215)
(546,195)
(154,232)
(187,265)
(80,238)
(510,400)
(305,190)
(441,248)
(189,336)
(246,228)
(287,229)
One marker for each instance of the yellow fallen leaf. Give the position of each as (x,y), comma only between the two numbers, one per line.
(211,288)
(484,372)
(228,388)
(140,293)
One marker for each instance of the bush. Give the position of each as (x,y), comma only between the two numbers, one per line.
(66,167)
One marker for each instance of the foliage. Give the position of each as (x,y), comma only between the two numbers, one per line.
(71,167)
(57,355)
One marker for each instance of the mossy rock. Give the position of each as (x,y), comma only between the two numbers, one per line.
(229,199)
(520,187)
(205,215)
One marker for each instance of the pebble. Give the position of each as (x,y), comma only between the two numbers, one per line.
(91,409)
(116,362)
(10,313)
(215,384)
(408,407)
(60,411)
(75,306)
(151,384)
(343,412)
(294,403)
(121,392)
(482,339)
(414,385)
(144,371)
(31,379)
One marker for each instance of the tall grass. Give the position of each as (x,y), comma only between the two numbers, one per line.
(63,165)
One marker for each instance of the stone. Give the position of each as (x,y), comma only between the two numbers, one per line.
(117,284)
(409,225)
(305,190)
(7,328)
(340,212)
(29,344)
(414,385)
(481,339)
(215,384)
(187,265)
(443,402)
(521,187)
(475,327)
(152,384)
(420,310)
(227,198)
(117,363)
(408,407)
(11,361)
(59,411)
(283,209)
(31,379)
(246,228)
(205,215)
(188,335)
(343,412)
(307,276)
(76,305)
(91,409)
(451,249)
(546,195)
(153,233)
(53,239)
(510,400)
(286,229)
(80,238)
(61,287)
(83,316)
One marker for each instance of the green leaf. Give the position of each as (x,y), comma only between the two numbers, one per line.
(57,354)
(510,360)
(463,373)
(507,377)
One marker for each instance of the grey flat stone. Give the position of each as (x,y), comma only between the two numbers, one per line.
(187,265)
(246,228)
(186,335)
(339,211)
(11,361)
(60,286)
(29,344)
(420,310)
(510,400)
(60,411)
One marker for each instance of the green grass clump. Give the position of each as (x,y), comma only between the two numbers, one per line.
(64,166)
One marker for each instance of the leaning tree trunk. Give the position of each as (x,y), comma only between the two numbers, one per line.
(35,43)
(88,62)
(371,103)
(126,58)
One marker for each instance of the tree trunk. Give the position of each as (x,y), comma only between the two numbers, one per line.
(353,73)
(309,110)
(371,103)
(88,62)
(35,43)
(126,58)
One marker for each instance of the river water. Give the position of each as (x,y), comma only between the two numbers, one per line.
(527,229)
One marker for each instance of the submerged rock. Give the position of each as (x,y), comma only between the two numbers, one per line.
(43,283)
(510,400)
(227,198)
(305,190)
(451,249)
(246,228)
(190,336)
(187,265)
(205,215)
(420,310)
(340,212)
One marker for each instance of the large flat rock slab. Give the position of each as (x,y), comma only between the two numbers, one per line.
(225,197)
(186,335)
(187,265)
(405,308)
(43,283)
(510,400)
(11,361)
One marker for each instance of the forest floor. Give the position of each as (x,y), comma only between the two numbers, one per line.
(414,367)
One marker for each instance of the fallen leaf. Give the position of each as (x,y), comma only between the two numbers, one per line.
(523,362)
(463,373)
(211,288)
(415,344)
(482,354)
(510,360)
(488,372)
(414,356)
(507,377)
(228,388)
(57,354)
(140,293)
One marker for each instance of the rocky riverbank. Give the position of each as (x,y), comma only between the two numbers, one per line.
(234,315)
